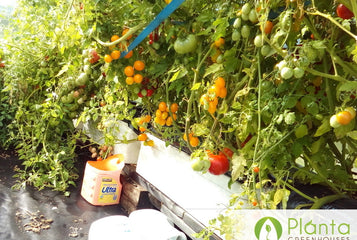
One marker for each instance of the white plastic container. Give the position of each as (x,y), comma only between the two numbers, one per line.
(144,224)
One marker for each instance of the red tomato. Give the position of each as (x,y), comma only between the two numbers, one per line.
(219,164)
(343,12)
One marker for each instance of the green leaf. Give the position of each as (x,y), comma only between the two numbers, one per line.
(213,69)
(347,86)
(323,128)
(238,165)
(352,134)
(196,86)
(179,74)
(281,195)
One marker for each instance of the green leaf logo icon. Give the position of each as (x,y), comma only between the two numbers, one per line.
(268,228)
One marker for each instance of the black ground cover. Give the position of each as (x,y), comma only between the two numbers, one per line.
(46,214)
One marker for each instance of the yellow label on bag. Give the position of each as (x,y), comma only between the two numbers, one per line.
(109,191)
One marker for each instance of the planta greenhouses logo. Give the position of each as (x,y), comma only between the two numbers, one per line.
(268,228)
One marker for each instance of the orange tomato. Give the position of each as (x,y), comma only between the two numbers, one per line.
(219,42)
(190,135)
(344,117)
(125,30)
(129,80)
(268,26)
(162,106)
(158,113)
(138,78)
(108,58)
(174,107)
(142,137)
(222,92)
(114,38)
(169,121)
(220,82)
(147,118)
(115,54)
(129,55)
(164,115)
(194,141)
(142,129)
(129,71)
(212,107)
(139,65)
(150,143)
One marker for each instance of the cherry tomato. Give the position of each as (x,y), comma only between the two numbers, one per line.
(108,58)
(220,82)
(174,107)
(219,42)
(194,141)
(114,38)
(344,117)
(139,65)
(219,164)
(256,169)
(149,92)
(343,12)
(129,71)
(162,106)
(138,78)
(268,26)
(142,137)
(115,54)
(129,80)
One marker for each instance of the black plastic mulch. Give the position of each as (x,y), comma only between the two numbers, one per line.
(32,214)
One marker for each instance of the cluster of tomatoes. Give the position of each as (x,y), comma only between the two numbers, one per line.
(104,152)
(209,100)
(143,137)
(138,78)
(165,115)
(116,50)
(217,56)
(131,76)
(215,163)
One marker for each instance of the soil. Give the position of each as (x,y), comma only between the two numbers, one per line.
(29,214)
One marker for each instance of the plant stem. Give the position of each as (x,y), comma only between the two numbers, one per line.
(259,122)
(324,200)
(124,37)
(299,192)
(191,99)
(326,75)
(331,19)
